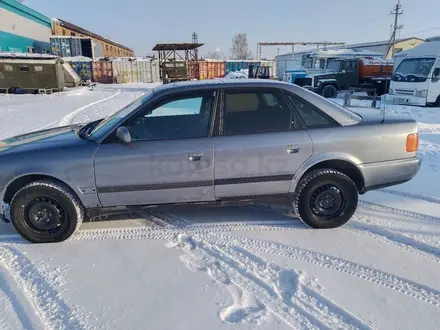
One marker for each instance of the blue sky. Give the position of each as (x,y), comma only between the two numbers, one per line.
(141,24)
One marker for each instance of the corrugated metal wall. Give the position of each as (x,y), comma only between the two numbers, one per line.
(138,71)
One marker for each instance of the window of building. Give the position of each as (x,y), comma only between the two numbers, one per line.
(30,49)
(106,47)
(72,34)
(63,32)
(313,117)
(257,111)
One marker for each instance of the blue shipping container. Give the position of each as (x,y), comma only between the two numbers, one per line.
(83,69)
(231,66)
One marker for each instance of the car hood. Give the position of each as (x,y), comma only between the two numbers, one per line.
(51,135)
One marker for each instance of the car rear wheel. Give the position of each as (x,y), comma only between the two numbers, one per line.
(329,92)
(325,198)
(46,212)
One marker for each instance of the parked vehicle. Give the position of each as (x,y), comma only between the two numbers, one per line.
(31,75)
(214,142)
(172,71)
(342,74)
(416,79)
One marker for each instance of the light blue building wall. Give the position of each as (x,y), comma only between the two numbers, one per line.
(22,29)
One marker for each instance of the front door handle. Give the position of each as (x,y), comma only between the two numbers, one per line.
(292,149)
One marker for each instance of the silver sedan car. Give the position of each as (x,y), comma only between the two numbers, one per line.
(214,142)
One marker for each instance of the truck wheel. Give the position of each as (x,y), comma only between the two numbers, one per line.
(437,103)
(325,198)
(329,92)
(46,212)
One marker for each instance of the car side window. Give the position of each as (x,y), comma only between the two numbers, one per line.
(180,118)
(312,116)
(256,111)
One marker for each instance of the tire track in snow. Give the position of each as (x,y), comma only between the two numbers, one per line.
(407,214)
(68,120)
(283,292)
(428,199)
(53,312)
(393,282)
(378,233)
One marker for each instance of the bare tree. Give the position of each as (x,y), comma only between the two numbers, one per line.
(240,47)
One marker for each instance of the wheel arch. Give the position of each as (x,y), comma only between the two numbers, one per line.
(345,164)
(14,186)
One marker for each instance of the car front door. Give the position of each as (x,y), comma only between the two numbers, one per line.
(170,157)
(260,145)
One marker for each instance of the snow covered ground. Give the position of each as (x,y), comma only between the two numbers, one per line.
(231,268)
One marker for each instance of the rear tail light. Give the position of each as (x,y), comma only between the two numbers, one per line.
(412,142)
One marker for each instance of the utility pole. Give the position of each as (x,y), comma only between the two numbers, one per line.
(396,12)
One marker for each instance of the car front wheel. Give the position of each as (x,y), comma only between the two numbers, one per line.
(325,198)
(46,212)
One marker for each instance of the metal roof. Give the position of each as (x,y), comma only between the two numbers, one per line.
(380,43)
(88,33)
(177,46)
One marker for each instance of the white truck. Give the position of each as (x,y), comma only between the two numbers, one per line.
(416,76)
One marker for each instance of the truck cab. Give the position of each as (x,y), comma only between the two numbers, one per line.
(416,79)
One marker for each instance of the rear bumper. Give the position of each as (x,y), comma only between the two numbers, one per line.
(408,100)
(386,174)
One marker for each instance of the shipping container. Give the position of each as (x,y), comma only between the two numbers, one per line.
(31,74)
(136,71)
(66,46)
(211,69)
(83,69)
(234,65)
(102,72)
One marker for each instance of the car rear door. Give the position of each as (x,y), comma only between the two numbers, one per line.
(170,158)
(260,145)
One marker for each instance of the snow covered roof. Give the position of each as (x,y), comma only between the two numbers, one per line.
(26,55)
(379,43)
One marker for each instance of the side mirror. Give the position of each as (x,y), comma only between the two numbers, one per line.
(436,75)
(123,135)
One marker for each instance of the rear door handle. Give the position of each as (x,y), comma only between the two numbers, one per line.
(292,149)
(195,156)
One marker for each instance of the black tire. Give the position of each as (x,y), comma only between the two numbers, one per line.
(329,91)
(312,193)
(437,103)
(46,212)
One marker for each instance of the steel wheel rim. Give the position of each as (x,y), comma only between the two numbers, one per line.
(327,201)
(44,215)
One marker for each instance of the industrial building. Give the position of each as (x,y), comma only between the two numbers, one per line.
(110,47)
(383,46)
(23,29)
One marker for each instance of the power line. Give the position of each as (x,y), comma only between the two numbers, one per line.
(421,31)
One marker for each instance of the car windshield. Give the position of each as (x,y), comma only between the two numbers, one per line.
(334,65)
(103,126)
(414,70)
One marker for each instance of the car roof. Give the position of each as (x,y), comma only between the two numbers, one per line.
(217,83)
